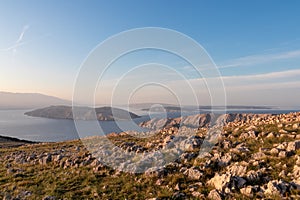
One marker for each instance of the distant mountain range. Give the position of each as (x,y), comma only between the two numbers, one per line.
(10,100)
(85,113)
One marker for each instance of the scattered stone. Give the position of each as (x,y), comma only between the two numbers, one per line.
(159,182)
(282,174)
(282,154)
(296,171)
(247,135)
(227,144)
(298,160)
(276,188)
(271,135)
(45,160)
(158,172)
(237,170)
(274,151)
(198,195)
(49,198)
(258,156)
(225,160)
(177,187)
(247,191)
(215,195)
(293,146)
(282,131)
(178,195)
(295,126)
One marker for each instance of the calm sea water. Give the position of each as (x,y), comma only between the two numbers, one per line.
(14,123)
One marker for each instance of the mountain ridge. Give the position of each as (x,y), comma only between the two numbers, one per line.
(10,100)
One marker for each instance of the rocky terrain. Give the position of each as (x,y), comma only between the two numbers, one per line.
(83,113)
(252,156)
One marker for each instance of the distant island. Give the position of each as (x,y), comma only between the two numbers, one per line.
(170,108)
(167,109)
(86,113)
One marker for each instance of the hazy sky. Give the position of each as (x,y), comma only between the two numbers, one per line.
(255,44)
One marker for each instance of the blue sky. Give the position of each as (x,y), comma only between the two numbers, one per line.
(255,44)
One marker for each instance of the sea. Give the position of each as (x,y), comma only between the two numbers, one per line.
(14,123)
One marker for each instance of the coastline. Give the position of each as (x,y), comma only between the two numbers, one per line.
(37,129)
(6,141)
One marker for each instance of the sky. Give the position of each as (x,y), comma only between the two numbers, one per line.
(254,44)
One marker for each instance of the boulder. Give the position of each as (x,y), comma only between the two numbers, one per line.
(204,120)
(293,146)
(272,189)
(191,143)
(193,174)
(237,170)
(253,176)
(283,154)
(239,182)
(247,191)
(220,182)
(276,188)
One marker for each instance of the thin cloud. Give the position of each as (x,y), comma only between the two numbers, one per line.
(261,58)
(25,28)
(266,76)
(14,46)
(280,78)
(267,86)
(19,42)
